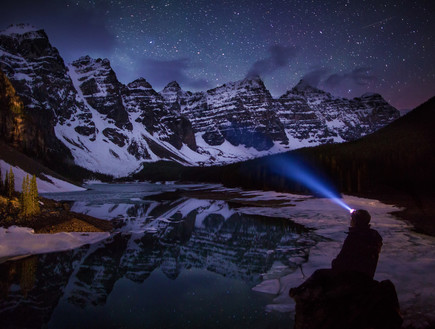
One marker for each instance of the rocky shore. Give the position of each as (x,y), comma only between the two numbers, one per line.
(54,217)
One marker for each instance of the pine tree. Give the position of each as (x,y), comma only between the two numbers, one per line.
(11,184)
(24,199)
(34,197)
(5,187)
(29,197)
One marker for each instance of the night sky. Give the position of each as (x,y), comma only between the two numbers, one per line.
(345,47)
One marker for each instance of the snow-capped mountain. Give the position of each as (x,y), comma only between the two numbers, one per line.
(241,113)
(317,116)
(82,112)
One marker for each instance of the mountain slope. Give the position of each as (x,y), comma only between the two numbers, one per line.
(81,114)
(22,165)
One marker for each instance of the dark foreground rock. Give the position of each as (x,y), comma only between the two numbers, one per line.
(345,300)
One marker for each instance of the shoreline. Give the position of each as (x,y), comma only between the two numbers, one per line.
(418,209)
(56,217)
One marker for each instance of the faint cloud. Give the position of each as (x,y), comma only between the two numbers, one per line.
(161,72)
(344,84)
(279,56)
(361,76)
(315,77)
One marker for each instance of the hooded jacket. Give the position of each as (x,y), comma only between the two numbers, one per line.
(360,251)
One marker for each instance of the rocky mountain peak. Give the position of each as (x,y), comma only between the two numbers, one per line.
(100,88)
(29,42)
(253,81)
(173,92)
(303,87)
(173,85)
(372,96)
(247,86)
(112,128)
(140,83)
(24,31)
(86,64)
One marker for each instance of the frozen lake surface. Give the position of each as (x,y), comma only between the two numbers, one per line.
(204,256)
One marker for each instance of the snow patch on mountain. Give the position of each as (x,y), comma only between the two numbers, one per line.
(113,128)
(19,29)
(47,185)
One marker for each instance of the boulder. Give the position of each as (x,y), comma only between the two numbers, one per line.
(345,300)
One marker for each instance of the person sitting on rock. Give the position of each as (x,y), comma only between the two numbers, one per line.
(361,248)
(346,296)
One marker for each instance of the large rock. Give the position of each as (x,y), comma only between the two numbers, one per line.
(346,300)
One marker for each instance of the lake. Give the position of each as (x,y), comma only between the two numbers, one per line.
(203,256)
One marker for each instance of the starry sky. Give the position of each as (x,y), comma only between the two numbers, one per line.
(345,47)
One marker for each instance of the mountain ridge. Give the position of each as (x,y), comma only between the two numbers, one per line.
(106,126)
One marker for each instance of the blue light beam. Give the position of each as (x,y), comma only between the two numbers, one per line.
(300,172)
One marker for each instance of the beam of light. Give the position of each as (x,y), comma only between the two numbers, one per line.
(297,170)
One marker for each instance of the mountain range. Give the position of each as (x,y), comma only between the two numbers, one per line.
(80,113)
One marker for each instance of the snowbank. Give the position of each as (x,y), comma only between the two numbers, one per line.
(21,241)
(52,186)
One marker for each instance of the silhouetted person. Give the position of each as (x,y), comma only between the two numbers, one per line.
(360,251)
(346,296)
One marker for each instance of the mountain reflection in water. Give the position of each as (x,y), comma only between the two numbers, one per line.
(201,243)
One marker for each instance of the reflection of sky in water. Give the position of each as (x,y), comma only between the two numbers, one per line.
(407,258)
(196,299)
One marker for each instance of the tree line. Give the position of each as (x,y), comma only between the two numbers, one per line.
(29,196)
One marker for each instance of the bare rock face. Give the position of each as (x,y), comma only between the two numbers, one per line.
(11,112)
(322,118)
(38,73)
(101,89)
(243,113)
(27,130)
(158,117)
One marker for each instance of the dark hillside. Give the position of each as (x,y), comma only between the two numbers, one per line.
(401,156)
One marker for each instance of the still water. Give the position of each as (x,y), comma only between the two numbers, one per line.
(201,256)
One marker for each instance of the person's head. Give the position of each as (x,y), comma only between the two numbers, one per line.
(360,218)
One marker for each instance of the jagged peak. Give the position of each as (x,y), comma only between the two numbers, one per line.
(303,89)
(140,83)
(19,29)
(173,92)
(304,86)
(248,83)
(87,60)
(172,85)
(252,80)
(26,30)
